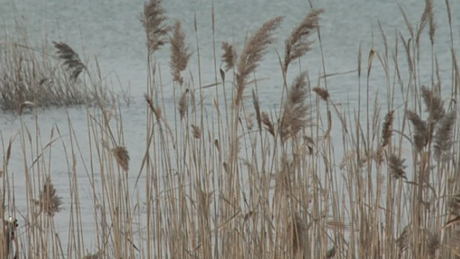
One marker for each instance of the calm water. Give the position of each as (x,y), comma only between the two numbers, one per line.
(111,31)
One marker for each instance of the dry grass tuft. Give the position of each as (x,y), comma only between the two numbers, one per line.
(180,54)
(396,167)
(298,43)
(295,113)
(49,202)
(153,19)
(230,56)
(72,61)
(387,128)
(322,93)
(122,157)
(252,54)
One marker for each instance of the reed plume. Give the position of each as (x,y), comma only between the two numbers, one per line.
(298,43)
(329,125)
(255,101)
(295,116)
(252,54)
(322,93)
(121,155)
(443,138)
(180,54)
(49,202)
(196,132)
(268,123)
(387,128)
(183,104)
(72,61)
(230,56)
(403,240)
(434,104)
(153,19)
(396,167)
(421,133)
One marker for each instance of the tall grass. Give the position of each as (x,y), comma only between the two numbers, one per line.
(238,180)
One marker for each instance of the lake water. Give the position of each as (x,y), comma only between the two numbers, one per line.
(111,31)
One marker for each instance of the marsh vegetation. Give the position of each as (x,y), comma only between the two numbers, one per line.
(234,179)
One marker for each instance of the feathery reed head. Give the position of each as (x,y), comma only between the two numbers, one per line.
(49,202)
(322,93)
(196,132)
(434,104)
(403,240)
(180,54)
(444,138)
(230,56)
(295,113)
(268,123)
(183,104)
(396,166)
(72,61)
(387,128)
(121,155)
(298,43)
(153,19)
(255,101)
(252,54)
(421,133)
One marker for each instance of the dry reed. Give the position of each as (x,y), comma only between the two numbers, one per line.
(252,54)
(295,114)
(71,59)
(121,155)
(49,202)
(298,42)
(153,19)
(180,54)
(229,57)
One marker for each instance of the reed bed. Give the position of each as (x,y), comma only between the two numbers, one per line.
(240,180)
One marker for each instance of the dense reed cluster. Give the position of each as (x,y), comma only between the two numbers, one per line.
(239,179)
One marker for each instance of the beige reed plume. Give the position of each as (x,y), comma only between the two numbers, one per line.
(49,202)
(295,111)
(153,19)
(180,54)
(298,43)
(230,56)
(72,61)
(121,155)
(252,54)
